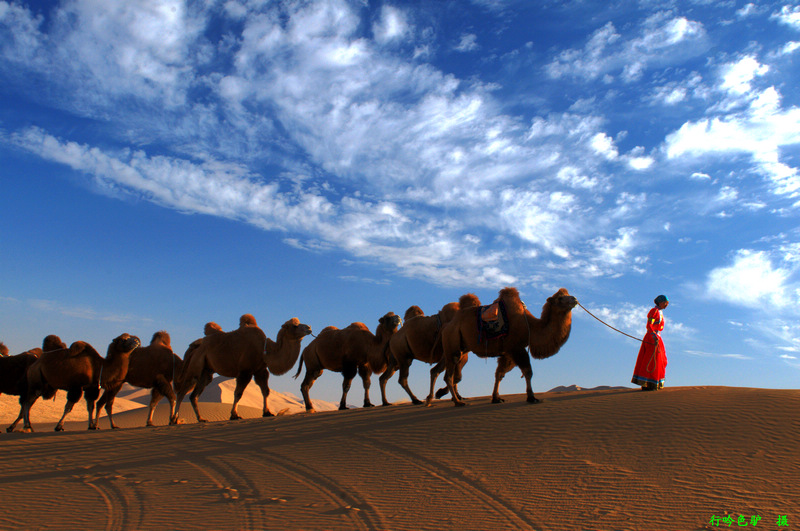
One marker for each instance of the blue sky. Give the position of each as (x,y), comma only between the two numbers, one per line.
(165,164)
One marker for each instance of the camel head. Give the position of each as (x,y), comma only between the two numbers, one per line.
(123,344)
(3,350)
(561,302)
(390,322)
(52,342)
(294,329)
(413,311)
(247,320)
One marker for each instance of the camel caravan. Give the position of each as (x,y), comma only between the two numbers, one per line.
(505,330)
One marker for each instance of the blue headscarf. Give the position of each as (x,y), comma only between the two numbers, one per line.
(661,298)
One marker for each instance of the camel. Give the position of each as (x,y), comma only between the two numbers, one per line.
(152,367)
(80,370)
(14,369)
(420,338)
(205,378)
(544,336)
(349,351)
(245,353)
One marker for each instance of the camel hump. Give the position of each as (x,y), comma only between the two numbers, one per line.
(358,326)
(468,300)
(247,320)
(211,328)
(329,328)
(3,349)
(161,338)
(413,311)
(78,347)
(508,293)
(53,342)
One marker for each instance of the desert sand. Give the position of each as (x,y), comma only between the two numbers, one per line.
(601,459)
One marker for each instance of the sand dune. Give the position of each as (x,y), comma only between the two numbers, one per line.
(599,459)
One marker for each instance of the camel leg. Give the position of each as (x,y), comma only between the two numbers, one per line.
(73,396)
(155,396)
(452,363)
(504,365)
(365,374)
(403,379)
(241,384)
(26,413)
(391,367)
(19,417)
(436,370)
(348,372)
(204,379)
(262,381)
(523,361)
(305,387)
(161,388)
(106,400)
(90,394)
(181,388)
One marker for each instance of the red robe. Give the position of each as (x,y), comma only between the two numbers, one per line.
(651,364)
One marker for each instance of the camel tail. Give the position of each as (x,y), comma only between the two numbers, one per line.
(299,367)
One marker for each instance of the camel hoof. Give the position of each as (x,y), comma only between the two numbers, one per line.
(533,400)
(417,402)
(460,404)
(267,414)
(368,404)
(497,400)
(59,428)
(151,424)
(202,420)
(235,417)
(27,430)
(9,429)
(343,408)
(94,427)
(386,404)
(442,392)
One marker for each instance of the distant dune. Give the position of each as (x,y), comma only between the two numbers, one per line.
(570,388)
(130,406)
(600,459)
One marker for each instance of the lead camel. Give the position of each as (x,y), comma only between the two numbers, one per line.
(544,336)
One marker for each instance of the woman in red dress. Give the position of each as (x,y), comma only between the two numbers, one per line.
(651,365)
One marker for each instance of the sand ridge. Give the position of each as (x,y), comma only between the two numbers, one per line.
(601,459)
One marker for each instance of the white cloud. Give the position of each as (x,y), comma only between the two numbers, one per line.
(747,10)
(790,47)
(752,280)
(468,43)
(789,15)
(761,130)
(305,88)
(660,40)
(604,145)
(391,26)
(737,77)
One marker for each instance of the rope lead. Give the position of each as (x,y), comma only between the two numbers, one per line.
(608,325)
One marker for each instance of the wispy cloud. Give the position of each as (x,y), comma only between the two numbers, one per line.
(661,39)
(84,312)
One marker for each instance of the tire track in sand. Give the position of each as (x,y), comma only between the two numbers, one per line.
(456,479)
(362,515)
